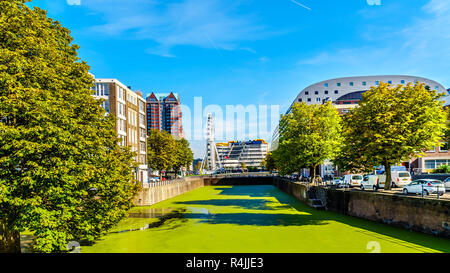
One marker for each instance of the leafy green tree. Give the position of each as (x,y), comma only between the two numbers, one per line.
(447,129)
(63,176)
(184,155)
(162,151)
(391,125)
(309,135)
(269,162)
(198,167)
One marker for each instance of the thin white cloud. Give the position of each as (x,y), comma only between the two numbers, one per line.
(300,4)
(74,2)
(212,24)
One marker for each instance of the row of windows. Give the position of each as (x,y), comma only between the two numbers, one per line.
(101,89)
(441,149)
(309,100)
(132,117)
(434,164)
(364,83)
(325,92)
(132,99)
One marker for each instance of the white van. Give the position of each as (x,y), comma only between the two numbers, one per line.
(400,179)
(373,182)
(353,180)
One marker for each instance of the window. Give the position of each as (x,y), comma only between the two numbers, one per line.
(142,146)
(142,159)
(338,84)
(402,81)
(318,99)
(326,92)
(121,141)
(121,125)
(336,91)
(326,85)
(377,82)
(444,148)
(121,108)
(351,84)
(390,82)
(430,164)
(364,83)
(432,150)
(299,100)
(141,119)
(316,92)
(309,99)
(306,92)
(437,87)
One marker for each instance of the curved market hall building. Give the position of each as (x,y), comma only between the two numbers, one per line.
(349,90)
(345,93)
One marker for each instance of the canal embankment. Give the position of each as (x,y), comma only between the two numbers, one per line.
(408,212)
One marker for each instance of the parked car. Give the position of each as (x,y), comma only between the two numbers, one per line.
(335,182)
(373,182)
(342,183)
(353,180)
(447,184)
(425,187)
(400,179)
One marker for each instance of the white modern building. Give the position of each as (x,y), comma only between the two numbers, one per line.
(345,93)
(234,153)
(349,90)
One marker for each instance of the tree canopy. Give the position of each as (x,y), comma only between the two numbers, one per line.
(269,162)
(309,135)
(63,176)
(392,124)
(184,155)
(162,151)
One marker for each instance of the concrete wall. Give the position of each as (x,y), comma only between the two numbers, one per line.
(153,195)
(413,213)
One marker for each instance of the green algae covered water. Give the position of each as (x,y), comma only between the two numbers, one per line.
(253,219)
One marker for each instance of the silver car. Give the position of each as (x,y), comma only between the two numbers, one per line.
(447,184)
(425,187)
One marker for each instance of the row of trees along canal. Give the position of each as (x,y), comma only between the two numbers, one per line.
(390,125)
(63,176)
(166,153)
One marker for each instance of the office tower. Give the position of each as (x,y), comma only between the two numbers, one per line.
(164,113)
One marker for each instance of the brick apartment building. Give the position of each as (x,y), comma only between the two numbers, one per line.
(129,109)
(164,113)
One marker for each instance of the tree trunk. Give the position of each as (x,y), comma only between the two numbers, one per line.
(9,240)
(313,180)
(387,168)
(160,175)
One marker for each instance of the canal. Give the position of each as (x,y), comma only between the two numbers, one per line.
(253,219)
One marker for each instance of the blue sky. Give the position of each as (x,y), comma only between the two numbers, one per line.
(254,51)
